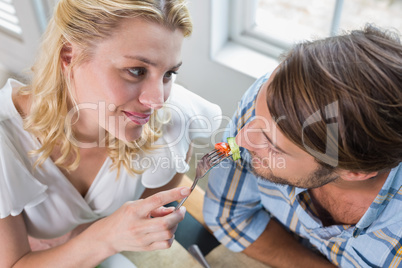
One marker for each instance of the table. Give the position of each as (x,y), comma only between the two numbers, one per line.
(221,257)
(178,257)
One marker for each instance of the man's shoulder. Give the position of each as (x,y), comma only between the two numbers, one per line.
(394,181)
(246,108)
(395,184)
(388,200)
(251,93)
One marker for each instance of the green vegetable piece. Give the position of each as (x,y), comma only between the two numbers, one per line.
(234,148)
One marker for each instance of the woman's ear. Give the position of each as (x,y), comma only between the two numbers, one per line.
(356,176)
(66,55)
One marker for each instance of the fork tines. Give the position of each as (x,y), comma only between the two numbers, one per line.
(216,156)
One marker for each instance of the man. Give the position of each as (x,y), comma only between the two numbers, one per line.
(319,183)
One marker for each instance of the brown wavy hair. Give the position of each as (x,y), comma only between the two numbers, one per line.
(86,23)
(352,82)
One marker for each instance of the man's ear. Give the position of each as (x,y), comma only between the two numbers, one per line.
(66,55)
(356,176)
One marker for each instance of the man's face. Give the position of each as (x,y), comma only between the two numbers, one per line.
(275,157)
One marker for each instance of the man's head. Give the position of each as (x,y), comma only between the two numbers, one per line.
(338,101)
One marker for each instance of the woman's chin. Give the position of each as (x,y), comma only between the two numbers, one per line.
(127,134)
(131,135)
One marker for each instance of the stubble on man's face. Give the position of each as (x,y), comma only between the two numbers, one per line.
(317,178)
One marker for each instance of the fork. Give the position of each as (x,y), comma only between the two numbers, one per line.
(207,162)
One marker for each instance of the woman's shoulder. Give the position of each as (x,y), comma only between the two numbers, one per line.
(19,187)
(190,104)
(191,113)
(7,107)
(191,117)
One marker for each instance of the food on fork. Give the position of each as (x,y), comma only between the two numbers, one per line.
(234,148)
(223,148)
(229,148)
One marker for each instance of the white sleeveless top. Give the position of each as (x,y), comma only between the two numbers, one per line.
(52,206)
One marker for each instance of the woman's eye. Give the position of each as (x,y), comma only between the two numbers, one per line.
(170,74)
(137,72)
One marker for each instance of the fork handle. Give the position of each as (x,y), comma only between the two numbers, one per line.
(181,203)
(185,198)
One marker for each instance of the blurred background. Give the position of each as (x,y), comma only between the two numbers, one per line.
(234,41)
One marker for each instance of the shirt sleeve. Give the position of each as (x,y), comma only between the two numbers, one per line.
(18,187)
(232,205)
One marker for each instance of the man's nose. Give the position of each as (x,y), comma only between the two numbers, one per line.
(242,138)
(152,95)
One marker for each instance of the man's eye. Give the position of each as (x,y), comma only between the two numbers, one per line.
(271,149)
(136,72)
(273,152)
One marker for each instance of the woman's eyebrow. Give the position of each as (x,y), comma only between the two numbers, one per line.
(270,141)
(147,61)
(177,65)
(140,58)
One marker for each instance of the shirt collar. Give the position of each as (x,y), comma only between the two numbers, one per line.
(390,188)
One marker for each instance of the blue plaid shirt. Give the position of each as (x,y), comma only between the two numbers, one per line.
(238,206)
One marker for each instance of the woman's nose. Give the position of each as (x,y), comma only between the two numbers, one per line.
(152,95)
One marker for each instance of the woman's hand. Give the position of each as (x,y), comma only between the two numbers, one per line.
(141,225)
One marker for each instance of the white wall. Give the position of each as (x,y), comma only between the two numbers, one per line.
(213,66)
(202,75)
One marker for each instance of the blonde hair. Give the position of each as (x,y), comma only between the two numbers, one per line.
(86,23)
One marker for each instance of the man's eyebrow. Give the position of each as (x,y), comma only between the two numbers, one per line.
(147,61)
(270,141)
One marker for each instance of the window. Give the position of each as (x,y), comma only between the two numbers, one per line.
(272,26)
(8,19)
(21,24)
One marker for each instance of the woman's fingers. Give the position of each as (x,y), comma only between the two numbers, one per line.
(145,224)
(161,211)
(155,245)
(160,230)
(165,237)
(162,198)
(166,222)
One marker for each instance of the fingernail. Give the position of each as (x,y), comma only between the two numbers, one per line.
(171,240)
(183,208)
(185,191)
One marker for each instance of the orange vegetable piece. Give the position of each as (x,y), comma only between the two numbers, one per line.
(223,147)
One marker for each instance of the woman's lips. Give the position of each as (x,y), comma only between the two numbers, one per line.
(138,118)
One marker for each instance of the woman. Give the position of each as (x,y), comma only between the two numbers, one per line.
(74,141)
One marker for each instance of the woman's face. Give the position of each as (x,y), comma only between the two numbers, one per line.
(126,78)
